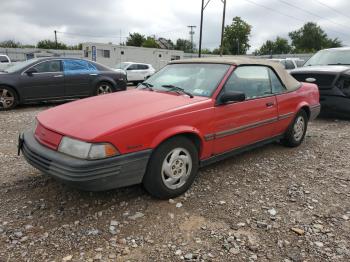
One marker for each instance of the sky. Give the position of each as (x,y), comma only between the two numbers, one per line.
(107,21)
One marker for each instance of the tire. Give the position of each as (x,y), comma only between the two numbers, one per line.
(103,88)
(180,155)
(8,98)
(297,130)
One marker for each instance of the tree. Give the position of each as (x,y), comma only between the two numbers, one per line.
(184,45)
(48,44)
(279,46)
(311,38)
(206,51)
(236,37)
(150,42)
(135,39)
(10,44)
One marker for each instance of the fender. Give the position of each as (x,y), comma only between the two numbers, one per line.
(302,104)
(177,130)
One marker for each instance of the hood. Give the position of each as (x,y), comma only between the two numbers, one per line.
(88,119)
(322,69)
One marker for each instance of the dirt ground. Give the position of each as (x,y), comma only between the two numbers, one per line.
(270,204)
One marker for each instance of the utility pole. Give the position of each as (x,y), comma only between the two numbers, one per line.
(191,35)
(223,28)
(56,39)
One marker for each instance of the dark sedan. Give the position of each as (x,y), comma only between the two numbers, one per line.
(56,79)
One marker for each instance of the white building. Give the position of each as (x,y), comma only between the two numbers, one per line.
(110,55)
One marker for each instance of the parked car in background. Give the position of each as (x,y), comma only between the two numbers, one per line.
(189,114)
(5,62)
(288,64)
(56,79)
(330,70)
(136,72)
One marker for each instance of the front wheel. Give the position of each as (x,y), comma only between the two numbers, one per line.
(297,130)
(103,88)
(8,98)
(172,168)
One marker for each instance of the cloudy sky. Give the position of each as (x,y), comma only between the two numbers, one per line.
(111,20)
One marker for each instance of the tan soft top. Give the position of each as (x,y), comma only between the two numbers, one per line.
(290,83)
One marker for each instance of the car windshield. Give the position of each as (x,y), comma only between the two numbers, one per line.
(195,79)
(122,66)
(330,57)
(19,66)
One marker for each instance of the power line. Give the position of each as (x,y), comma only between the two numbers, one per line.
(332,8)
(311,13)
(287,15)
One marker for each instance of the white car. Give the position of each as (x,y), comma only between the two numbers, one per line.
(289,63)
(5,61)
(136,72)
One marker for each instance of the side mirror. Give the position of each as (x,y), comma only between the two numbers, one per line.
(231,96)
(31,71)
(310,80)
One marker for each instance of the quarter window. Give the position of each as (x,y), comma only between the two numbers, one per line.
(254,81)
(48,66)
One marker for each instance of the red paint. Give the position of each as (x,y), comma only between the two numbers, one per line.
(47,137)
(140,119)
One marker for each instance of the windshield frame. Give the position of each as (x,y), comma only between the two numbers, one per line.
(209,95)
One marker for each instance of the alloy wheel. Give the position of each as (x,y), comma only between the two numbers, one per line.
(104,89)
(299,127)
(7,98)
(176,168)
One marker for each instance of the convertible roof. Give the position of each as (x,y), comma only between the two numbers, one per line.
(290,83)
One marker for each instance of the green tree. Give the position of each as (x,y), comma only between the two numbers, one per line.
(311,38)
(236,37)
(184,45)
(150,42)
(206,51)
(135,39)
(48,44)
(278,46)
(10,44)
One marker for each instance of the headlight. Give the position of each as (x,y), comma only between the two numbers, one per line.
(84,150)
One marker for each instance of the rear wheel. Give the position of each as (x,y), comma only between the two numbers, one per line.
(297,130)
(8,98)
(104,88)
(172,168)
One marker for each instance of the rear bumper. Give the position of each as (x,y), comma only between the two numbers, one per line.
(314,111)
(91,175)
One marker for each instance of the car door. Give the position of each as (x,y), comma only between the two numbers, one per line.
(243,123)
(131,72)
(78,75)
(46,81)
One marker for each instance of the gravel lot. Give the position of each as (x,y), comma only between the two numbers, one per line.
(270,204)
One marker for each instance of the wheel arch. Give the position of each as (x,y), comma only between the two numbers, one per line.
(191,133)
(306,108)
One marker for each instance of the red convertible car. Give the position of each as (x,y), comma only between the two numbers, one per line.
(188,115)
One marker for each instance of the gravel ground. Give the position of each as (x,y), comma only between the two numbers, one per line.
(270,204)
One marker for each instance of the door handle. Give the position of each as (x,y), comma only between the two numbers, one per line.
(270,104)
(58,76)
(93,74)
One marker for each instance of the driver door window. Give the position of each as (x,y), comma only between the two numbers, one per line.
(253,81)
(48,67)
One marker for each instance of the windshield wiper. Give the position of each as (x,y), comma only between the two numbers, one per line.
(177,89)
(147,86)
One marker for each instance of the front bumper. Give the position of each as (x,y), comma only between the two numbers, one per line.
(90,175)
